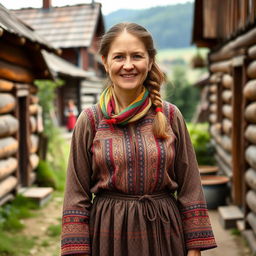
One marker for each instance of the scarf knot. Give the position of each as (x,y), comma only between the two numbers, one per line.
(136,110)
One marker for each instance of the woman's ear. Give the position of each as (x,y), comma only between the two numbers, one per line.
(104,61)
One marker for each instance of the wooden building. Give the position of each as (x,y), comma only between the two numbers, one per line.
(21,62)
(75,30)
(228,29)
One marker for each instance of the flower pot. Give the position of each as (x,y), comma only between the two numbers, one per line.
(208,169)
(215,190)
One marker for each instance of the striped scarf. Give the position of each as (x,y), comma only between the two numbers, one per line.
(136,110)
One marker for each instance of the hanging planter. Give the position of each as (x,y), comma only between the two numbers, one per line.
(215,190)
(198,61)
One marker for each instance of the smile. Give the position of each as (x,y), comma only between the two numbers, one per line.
(128,75)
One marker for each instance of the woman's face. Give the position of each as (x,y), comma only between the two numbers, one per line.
(127,62)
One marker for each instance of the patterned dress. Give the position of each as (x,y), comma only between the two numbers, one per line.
(149,199)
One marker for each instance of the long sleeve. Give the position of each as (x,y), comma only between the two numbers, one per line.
(191,202)
(77,199)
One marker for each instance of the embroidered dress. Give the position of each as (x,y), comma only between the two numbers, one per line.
(149,199)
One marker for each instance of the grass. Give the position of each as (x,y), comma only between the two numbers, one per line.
(54,230)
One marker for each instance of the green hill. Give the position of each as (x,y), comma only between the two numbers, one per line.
(170,25)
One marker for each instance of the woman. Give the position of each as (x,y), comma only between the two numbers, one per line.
(71,113)
(134,153)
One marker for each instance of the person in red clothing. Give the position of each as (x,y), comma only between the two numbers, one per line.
(71,115)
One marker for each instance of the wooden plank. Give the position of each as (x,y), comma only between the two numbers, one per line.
(250,90)
(250,113)
(222,66)
(250,133)
(7,103)
(250,154)
(251,70)
(8,146)
(15,73)
(7,185)
(5,85)
(7,167)
(8,125)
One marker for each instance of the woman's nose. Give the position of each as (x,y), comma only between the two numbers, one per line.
(128,64)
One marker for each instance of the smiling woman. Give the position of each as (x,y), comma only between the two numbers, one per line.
(133,151)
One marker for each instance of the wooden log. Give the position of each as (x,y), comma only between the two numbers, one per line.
(34,143)
(7,103)
(15,73)
(227,126)
(250,113)
(213,98)
(250,90)
(251,200)
(250,178)
(213,88)
(226,143)
(227,111)
(34,99)
(34,161)
(32,124)
(250,154)
(8,146)
(227,81)
(215,78)
(7,167)
(252,52)
(227,96)
(250,133)
(213,108)
(33,108)
(6,85)
(251,70)
(224,155)
(251,218)
(8,125)
(223,167)
(7,185)
(213,118)
(5,199)
(222,66)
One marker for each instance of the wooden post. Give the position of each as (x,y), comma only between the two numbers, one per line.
(238,127)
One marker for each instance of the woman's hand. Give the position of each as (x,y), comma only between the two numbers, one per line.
(194,253)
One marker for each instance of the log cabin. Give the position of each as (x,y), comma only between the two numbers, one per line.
(21,61)
(76,30)
(228,29)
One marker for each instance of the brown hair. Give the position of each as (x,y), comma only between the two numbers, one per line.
(155,76)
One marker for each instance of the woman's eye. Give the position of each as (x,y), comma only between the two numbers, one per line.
(118,57)
(137,56)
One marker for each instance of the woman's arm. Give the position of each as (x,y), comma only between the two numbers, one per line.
(194,253)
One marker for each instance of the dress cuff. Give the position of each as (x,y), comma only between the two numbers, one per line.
(75,233)
(197,227)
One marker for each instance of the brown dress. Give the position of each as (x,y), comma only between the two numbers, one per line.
(149,199)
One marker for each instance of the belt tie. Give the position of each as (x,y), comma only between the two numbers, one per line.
(150,209)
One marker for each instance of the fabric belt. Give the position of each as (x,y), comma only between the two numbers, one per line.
(150,208)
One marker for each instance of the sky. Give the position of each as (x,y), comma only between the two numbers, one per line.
(108,6)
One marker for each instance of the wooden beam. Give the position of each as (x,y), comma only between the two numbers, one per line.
(250,178)
(34,139)
(252,52)
(32,124)
(8,146)
(15,73)
(251,200)
(227,96)
(34,161)
(227,111)
(227,81)
(251,218)
(250,90)
(227,126)
(222,66)
(213,88)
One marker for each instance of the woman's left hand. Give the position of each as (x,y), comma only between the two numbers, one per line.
(194,253)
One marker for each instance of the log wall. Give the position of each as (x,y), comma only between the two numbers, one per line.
(16,82)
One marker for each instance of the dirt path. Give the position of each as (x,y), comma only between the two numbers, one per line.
(44,228)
